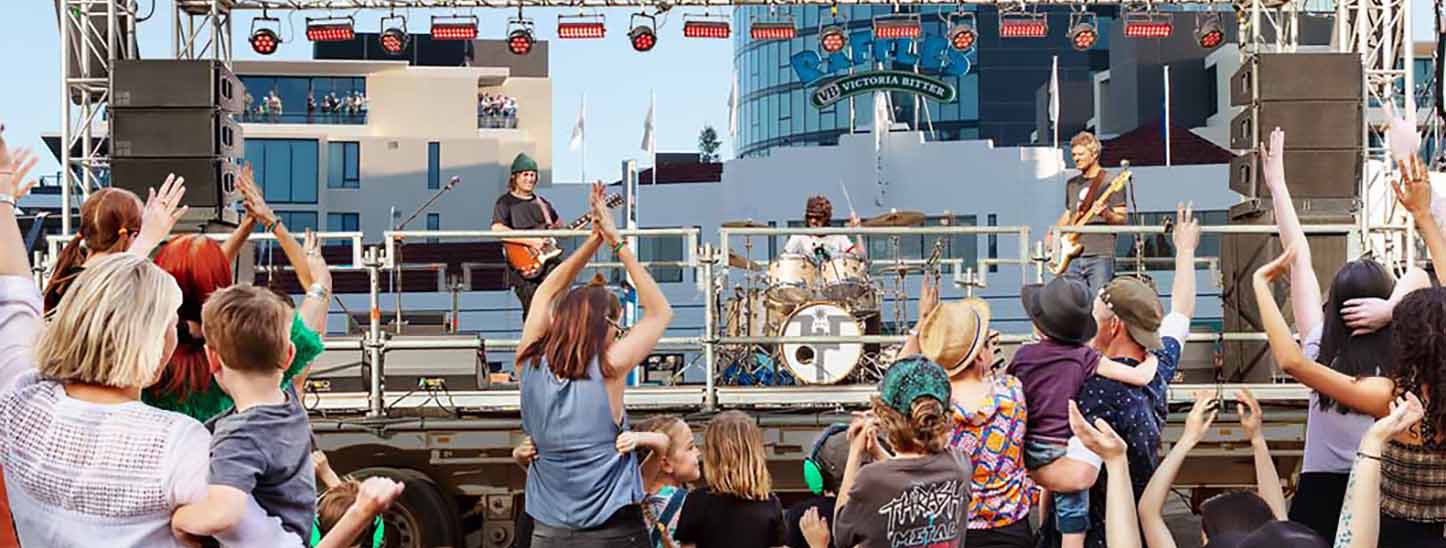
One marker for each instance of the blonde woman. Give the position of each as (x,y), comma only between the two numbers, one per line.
(737,510)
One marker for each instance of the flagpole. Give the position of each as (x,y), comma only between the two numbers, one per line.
(1167,115)
(583,115)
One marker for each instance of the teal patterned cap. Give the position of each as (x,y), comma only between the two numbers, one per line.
(911,378)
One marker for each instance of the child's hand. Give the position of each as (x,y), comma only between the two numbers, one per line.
(525,452)
(627,442)
(815,528)
(377,494)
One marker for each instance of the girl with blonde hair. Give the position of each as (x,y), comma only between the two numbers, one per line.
(737,510)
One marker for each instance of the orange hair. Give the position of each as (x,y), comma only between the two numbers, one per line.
(200,268)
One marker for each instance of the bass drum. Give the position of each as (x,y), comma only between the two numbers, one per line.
(821,363)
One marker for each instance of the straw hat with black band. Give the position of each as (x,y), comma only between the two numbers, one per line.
(954,333)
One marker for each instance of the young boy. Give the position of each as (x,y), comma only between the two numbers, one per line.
(1052,372)
(263,450)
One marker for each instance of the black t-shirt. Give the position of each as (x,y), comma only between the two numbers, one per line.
(907,503)
(519,214)
(1077,190)
(710,520)
(795,534)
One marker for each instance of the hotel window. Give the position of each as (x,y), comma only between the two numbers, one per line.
(434,166)
(343,222)
(434,222)
(343,165)
(296,221)
(286,169)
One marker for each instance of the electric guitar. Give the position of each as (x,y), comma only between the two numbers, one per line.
(529,262)
(1069,245)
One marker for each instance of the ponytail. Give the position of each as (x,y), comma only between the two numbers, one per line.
(67,267)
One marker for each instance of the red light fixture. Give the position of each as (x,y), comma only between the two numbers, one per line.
(265,40)
(457,27)
(1083,31)
(832,39)
(775,29)
(888,27)
(393,38)
(1144,25)
(962,33)
(519,34)
(1208,32)
(1025,25)
(706,27)
(642,35)
(582,26)
(330,29)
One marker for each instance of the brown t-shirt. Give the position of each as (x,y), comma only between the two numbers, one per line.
(1075,191)
(907,503)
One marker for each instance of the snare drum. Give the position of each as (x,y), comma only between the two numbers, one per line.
(844,279)
(789,278)
(821,363)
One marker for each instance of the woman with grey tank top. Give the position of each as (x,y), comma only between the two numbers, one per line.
(582,490)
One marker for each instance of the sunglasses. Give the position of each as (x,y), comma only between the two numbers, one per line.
(622,330)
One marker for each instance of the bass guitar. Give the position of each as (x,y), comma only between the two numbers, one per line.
(529,262)
(1069,245)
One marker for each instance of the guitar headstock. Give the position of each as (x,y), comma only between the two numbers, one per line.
(614,200)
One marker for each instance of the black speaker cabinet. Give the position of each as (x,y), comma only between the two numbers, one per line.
(174,132)
(1315,125)
(173,83)
(210,182)
(1308,174)
(1242,254)
(1299,77)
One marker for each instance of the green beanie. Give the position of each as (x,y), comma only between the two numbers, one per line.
(522,163)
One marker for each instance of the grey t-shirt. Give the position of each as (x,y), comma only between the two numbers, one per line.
(907,503)
(1077,190)
(266,451)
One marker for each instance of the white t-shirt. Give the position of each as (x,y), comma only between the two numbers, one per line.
(1331,437)
(833,245)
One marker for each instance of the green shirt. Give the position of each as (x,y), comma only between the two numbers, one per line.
(212,401)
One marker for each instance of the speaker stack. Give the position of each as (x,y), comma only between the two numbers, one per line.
(176,116)
(1316,98)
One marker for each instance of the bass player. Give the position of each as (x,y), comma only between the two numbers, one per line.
(522,209)
(1096,264)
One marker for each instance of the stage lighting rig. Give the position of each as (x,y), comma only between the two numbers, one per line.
(706,26)
(773,28)
(1023,25)
(897,25)
(963,33)
(1144,24)
(394,34)
(581,26)
(1084,30)
(520,37)
(330,29)
(643,36)
(1208,32)
(454,27)
(264,36)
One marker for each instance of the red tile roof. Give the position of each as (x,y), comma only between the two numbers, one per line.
(1144,146)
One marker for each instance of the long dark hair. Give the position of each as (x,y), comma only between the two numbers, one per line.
(1367,355)
(1420,343)
(579,333)
(109,219)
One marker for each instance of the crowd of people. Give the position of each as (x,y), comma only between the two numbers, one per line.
(328,108)
(495,110)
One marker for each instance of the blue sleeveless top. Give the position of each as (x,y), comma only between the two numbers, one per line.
(578,479)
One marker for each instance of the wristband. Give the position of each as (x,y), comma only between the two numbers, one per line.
(317,291)
(1363,455)
(619,248)
(7,199)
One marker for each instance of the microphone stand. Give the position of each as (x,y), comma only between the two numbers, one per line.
(397,270)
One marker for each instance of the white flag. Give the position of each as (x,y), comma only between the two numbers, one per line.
(1054,92)
(883,118)
(577,129)
(733,105)
(648,127)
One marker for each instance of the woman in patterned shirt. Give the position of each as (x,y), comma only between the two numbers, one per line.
(989,417)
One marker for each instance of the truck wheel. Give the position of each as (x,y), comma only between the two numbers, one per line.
(423,517)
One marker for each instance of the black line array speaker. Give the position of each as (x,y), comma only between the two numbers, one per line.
(1317,99)
(176,116)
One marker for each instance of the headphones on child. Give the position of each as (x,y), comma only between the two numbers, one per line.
(378,536)
(812,469)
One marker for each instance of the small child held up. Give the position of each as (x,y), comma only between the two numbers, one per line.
(1052,371)
(263,450)
(669,460)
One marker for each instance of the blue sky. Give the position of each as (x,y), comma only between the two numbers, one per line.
(689,76)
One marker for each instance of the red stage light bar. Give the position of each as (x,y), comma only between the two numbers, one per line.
(454,28)
(330,29)
(706,28)
(891,27)
(772,30)
(575,27)
(1023,27)
(1146,27)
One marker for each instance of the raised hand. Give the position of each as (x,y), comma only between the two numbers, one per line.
(1406,412)
(254,200)
(1274,161)
(1413,188)
(13,172)
(161,212)
(1277,268)
(928,297)
(602,216)
(315,262)
(854,220)
(1099,438)
(377,494)
(1202,414)
(1250,415)
(1187,227)
(814,528)
(1367,315)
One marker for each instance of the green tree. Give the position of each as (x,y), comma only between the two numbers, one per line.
(708,145)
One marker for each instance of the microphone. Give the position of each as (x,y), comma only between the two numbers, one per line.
(453,181)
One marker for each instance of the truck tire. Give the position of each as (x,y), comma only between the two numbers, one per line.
(423,517)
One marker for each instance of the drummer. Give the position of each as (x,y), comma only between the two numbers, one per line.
(817,214)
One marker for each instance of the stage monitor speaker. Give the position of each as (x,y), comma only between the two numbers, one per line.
(1299,77)
(210,182)
(1309,174)
(1242,254)
(175,84)
(174,132)
(1316,125)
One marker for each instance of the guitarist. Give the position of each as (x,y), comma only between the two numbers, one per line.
(1096,265)
(521,209)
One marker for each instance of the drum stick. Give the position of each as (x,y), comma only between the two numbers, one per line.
(847,199)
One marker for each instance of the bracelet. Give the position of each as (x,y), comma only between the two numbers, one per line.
(7,199)
(1363,455)
(317,291)
(619,248)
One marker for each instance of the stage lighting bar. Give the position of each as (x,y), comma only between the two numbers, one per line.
(888,27)
(456,27)
(773,29)
(1143,25)
(330,29)
(706,27)
(1023,25)
(1208,32)
(580,27)
(265,40)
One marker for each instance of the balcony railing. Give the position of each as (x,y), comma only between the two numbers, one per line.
(316,117)
(496,121)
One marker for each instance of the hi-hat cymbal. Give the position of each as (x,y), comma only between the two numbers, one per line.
(896,219)
(738,261)
(744,223)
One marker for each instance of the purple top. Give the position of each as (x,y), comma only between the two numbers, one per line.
(1052,374)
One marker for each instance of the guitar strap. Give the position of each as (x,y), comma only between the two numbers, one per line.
(546,209)
(1096,187)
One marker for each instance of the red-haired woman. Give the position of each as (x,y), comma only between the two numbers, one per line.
(581,489)
(201,267)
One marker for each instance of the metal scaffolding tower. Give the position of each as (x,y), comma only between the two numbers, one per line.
(93,35)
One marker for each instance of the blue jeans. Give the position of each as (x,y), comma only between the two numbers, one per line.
(1071,511)
(1094,270)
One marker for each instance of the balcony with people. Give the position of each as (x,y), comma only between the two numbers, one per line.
(496,111)
(305,100)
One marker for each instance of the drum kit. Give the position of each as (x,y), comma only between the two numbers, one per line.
(803,296)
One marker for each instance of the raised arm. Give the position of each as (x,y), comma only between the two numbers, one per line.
(1152,501)
(1121,530)
(928,299)
(1366,315)
(1360,519)
(375,495)
(539,316)
(1414,192)
(1305,298)
(634,347)
(1370,395)
(1187,240)
(256,206)
(1267,478)
(317,303)
(238,238)
(160,214)
(1137,375)
(13,169)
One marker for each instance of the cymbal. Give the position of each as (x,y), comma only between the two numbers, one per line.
(744,223)
(896,219)
(738,261)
